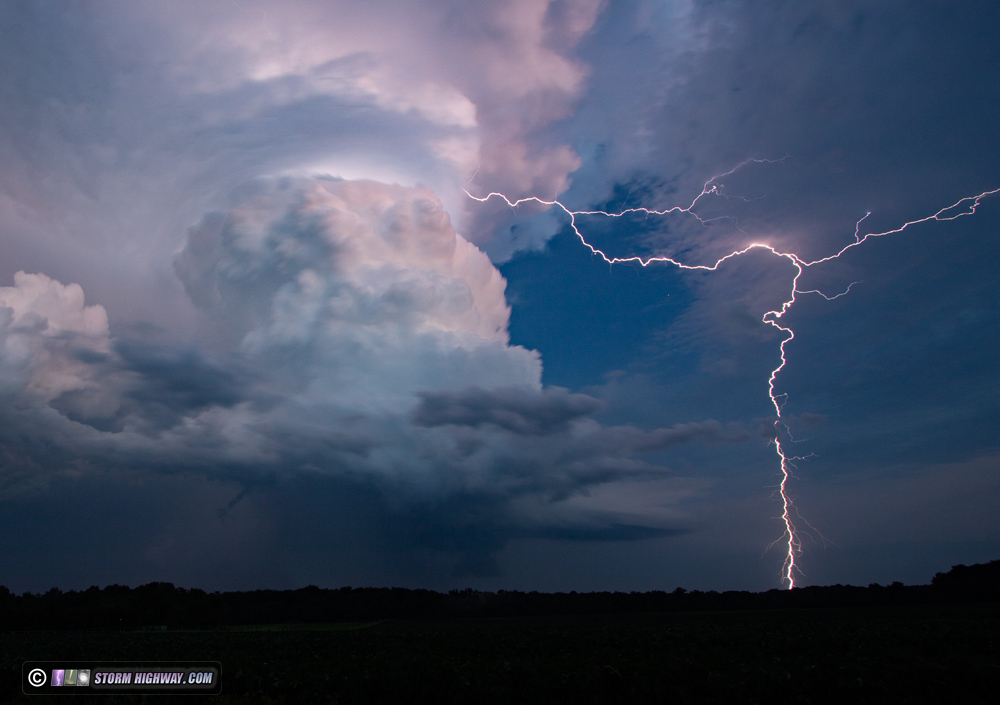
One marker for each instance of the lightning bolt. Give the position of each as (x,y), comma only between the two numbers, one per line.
(963,207)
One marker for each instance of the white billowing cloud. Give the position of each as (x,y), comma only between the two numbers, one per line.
(53,308)
(357,290)
(45,329)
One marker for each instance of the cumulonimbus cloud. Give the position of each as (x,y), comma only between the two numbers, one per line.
(361,337)
(362,292)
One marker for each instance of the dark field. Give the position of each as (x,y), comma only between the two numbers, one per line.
(928,653)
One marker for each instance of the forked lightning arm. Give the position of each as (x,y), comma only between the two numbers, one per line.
(791,536)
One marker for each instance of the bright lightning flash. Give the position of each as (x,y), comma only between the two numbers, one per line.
(790,538)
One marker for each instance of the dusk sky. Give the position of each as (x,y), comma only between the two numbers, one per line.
(255,333)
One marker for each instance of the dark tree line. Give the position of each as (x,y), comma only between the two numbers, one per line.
(121,607)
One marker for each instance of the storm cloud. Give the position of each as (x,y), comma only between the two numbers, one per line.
(519,410)
(357,337)
(249,312)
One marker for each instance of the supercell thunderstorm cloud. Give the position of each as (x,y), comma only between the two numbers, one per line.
(528,294)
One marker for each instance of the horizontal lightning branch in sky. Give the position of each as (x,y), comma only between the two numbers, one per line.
(964,206)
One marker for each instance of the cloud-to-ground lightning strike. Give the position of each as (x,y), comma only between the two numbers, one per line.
(790,537)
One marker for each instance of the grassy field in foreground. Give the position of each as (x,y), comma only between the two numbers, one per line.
(899,655)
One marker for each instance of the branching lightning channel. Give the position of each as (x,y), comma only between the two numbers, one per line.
(790,538)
